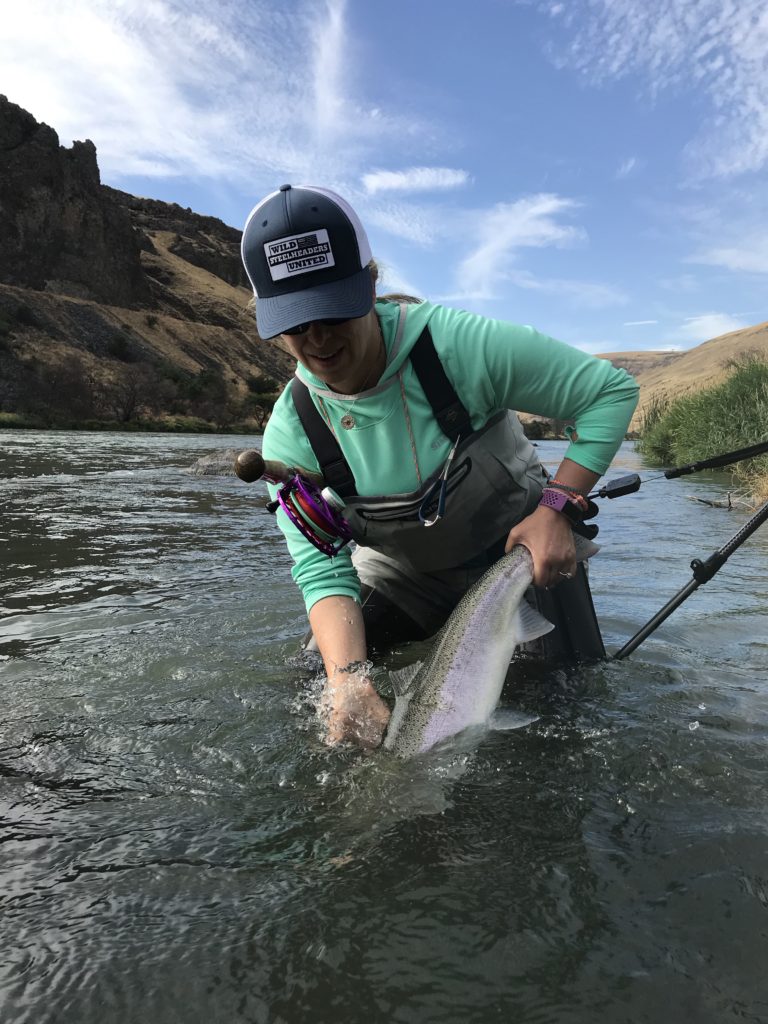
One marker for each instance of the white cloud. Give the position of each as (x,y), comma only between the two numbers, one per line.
(408,221)
(626,167)
(685,283)
(415,179)
(392,280)
(639,323)
(696,329)
(501,231)
(750,255)
(241,93)
(589,294)
(328,74)
(719,47)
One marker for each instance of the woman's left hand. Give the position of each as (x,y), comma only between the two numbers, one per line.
(548,536)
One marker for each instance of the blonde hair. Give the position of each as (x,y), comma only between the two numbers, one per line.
(390,296)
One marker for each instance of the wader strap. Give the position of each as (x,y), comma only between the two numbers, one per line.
(453,419)
(333,465)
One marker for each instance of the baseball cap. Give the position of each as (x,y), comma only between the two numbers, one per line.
(306,254)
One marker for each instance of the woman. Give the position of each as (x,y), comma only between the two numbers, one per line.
(387,399)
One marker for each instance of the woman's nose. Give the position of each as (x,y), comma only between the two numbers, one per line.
(318,332)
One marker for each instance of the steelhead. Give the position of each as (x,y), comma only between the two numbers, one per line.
(460,682)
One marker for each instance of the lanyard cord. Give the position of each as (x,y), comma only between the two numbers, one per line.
(408,425)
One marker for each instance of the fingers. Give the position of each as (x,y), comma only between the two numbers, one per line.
(364,730)
(355,713)
(556,576)
(549,538)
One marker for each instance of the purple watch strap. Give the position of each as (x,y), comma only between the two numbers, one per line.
(560,502)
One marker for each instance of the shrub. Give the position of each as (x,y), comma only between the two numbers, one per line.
(121,347)
(262,385)
(719,419)
(26,316)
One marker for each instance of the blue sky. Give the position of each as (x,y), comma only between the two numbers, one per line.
(597,168)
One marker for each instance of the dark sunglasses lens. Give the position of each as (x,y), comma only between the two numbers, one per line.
(328,321)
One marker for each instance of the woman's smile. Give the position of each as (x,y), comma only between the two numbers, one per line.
(324,357)
(351,355)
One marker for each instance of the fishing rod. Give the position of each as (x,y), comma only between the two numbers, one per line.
(703,571)
(315,510)
(632,481)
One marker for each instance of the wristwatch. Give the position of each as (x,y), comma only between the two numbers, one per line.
(560,502)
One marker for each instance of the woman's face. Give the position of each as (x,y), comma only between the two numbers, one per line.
(344,356)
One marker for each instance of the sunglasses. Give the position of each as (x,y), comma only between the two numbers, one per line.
(333,321)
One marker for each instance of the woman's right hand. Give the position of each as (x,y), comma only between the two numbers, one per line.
(353,711)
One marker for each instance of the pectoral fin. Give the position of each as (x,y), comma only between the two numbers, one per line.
(585,548)
(402,678)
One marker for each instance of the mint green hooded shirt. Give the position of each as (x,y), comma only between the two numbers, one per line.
(396,442)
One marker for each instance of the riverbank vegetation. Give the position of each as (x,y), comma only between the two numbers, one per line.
(69,394)
(715,420)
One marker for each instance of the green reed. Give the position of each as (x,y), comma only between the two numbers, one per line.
(727,416)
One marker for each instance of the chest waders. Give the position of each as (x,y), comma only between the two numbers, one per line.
(495,480)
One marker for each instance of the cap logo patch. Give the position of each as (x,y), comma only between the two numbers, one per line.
(298,254)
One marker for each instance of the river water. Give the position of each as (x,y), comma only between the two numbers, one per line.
(179,846)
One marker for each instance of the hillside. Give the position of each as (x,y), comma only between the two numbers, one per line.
(664,375)
(118,308)
(113,306)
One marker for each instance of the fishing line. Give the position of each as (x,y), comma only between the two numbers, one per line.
(632,482)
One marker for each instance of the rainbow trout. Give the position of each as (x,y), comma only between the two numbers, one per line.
(460,682)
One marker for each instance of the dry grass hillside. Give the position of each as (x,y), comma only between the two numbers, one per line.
(114,308)
(663,375)
(221,332)
(89,359)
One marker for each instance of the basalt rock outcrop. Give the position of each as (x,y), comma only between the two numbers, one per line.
(59,232)
(137,306)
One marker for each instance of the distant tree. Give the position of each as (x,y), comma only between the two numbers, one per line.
(262,385)
(138,389)
(257,407)
(65,390)
(558,427)
(210,398)
(533,430)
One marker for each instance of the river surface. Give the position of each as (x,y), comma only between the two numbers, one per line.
(178,845)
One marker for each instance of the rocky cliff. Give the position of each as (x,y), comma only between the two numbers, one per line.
(117,307)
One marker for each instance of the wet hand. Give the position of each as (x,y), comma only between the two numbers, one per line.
(353,711)
(548,536)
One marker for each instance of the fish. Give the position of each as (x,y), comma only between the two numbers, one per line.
(458,685)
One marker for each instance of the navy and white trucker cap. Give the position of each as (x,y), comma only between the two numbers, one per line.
(306,254)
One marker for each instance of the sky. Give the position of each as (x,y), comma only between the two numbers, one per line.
(596,168)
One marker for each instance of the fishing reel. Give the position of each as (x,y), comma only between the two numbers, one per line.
(315,513)
(313,509)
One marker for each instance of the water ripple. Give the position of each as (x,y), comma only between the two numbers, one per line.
(179,846)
